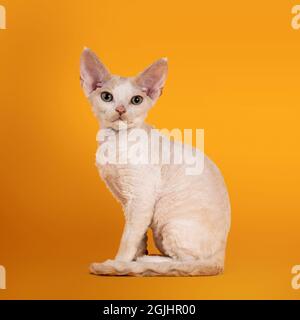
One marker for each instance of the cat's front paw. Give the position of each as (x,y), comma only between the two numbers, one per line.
(111,268)
(104,268)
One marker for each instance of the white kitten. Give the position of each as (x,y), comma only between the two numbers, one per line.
(189,215)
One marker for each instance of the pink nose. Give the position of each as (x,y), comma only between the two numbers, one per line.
(120,109)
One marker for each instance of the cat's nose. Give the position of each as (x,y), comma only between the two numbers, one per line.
(120,109)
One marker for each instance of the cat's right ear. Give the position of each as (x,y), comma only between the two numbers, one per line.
(93,73)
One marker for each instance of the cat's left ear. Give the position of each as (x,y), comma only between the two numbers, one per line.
(152,80)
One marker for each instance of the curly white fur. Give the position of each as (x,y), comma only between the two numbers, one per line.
(189,215)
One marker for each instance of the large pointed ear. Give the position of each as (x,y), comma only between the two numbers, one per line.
(153,79)
(93,73)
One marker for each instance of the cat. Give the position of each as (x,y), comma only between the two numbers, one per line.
(189,214)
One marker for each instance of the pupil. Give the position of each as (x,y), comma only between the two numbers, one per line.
(136,100)
(106,96)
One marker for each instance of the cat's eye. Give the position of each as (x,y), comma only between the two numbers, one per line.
(136,100)
(106,96)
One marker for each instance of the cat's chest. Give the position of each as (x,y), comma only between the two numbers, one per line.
(130,181)
(121,149)
(117,179)
(126,181)
(125,167)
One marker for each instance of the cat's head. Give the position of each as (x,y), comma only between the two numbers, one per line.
(119,101)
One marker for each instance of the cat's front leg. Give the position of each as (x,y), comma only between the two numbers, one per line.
(138,218)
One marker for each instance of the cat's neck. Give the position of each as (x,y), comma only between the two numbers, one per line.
(105,132)
(143,126)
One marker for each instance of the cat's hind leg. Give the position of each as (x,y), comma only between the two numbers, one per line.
(193,239)
(191,248)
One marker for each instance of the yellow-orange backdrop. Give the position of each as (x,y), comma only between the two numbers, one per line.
(234,71)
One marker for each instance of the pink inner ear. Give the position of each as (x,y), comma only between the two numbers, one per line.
(98,85)
(94,86)
(151,92)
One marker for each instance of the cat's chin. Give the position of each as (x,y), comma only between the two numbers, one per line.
(120,125)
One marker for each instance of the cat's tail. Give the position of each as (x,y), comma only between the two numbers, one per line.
(157,266)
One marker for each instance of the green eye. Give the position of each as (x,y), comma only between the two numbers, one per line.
(136,100)
(106,96)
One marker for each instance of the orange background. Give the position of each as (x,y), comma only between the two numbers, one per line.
(234,71)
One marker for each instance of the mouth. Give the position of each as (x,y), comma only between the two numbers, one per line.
(118,118)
